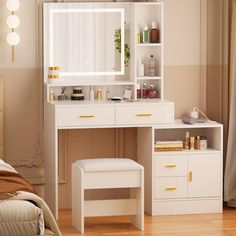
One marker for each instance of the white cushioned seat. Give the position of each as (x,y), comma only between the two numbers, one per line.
(108,164)
(105,173)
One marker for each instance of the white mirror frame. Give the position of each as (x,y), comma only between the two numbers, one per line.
(116,10)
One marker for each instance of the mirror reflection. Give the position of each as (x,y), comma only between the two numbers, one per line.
(88,41)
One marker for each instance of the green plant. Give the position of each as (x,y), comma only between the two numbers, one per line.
(117,41)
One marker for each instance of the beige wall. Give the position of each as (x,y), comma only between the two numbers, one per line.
(184,84)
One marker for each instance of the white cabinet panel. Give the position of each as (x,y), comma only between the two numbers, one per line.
(170,188)
(144,114)
(206,175)
(85,116)
(171,165)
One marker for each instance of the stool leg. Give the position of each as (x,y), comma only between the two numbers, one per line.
(77,198)
(138,193)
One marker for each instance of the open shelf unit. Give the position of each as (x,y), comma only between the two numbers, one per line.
(187,181)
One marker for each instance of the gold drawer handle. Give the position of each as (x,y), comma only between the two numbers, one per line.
(171,188)
(144,114)
(190,176)
(170,166)
(87,116)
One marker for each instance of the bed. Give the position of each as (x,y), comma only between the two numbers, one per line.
(23,212)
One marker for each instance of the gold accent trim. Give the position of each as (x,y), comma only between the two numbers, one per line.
(144,114)
(190,176)
(170,188)
(90,116)
(53,76)
(171,166)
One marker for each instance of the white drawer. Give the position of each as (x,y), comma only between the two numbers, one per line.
(170,165)
(85,116)
(170,187)
(144,114)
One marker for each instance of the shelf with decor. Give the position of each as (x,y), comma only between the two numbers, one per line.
(148,56)
(186,181)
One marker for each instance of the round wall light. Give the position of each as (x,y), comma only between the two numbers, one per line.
(13,21)
(13,38)
(13,5)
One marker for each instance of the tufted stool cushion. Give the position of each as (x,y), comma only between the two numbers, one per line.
(108,164)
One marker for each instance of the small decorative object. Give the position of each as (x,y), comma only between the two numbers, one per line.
(108,94)
(51,95)
(146,36)
(62,96)
(140,68)
(117,41)
(192,141)
(13,22)
(144,91)
(77,94)
(138,91)
(99,94)
(152,92)
(203,142)
(154,33)
(91,93)
(138,36)
(151,66)
(53,73)
(127,94)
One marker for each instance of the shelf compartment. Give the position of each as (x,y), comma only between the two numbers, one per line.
(149,77)
(149,44)
(187,152)
(65,82)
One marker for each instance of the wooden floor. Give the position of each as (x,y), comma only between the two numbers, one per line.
(183,225)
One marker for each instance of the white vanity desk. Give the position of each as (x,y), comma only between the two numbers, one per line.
(97,114)
(175,182)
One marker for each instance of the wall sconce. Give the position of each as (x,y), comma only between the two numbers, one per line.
(13,22)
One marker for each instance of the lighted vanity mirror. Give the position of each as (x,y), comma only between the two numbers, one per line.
(86,40)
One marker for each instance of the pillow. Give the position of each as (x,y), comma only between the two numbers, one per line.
(5,166)
(20,218)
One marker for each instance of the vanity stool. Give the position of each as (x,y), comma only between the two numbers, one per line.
(104,173)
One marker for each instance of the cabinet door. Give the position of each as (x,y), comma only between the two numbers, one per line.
(204,178)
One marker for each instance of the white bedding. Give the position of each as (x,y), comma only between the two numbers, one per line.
(25,214)
(20,217)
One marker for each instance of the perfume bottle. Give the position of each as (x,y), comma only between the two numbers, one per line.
(108,94)
(146,35)
(99,94)
(138,36)
(154,33)
(152,92)
(91,93)
(151,66)
(51,95)
(144,91)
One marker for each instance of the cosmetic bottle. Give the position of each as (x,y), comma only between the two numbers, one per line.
(108,94)
(99,94)
(138,91)
(146,35)
(51,95)
(91,93)
(186,141)
(192,141)
(152,92)
(138,36)
(154,33)
(144,91)
(151,66)
(140,68)
(197,143)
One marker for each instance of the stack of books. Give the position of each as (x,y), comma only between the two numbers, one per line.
(176,145)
